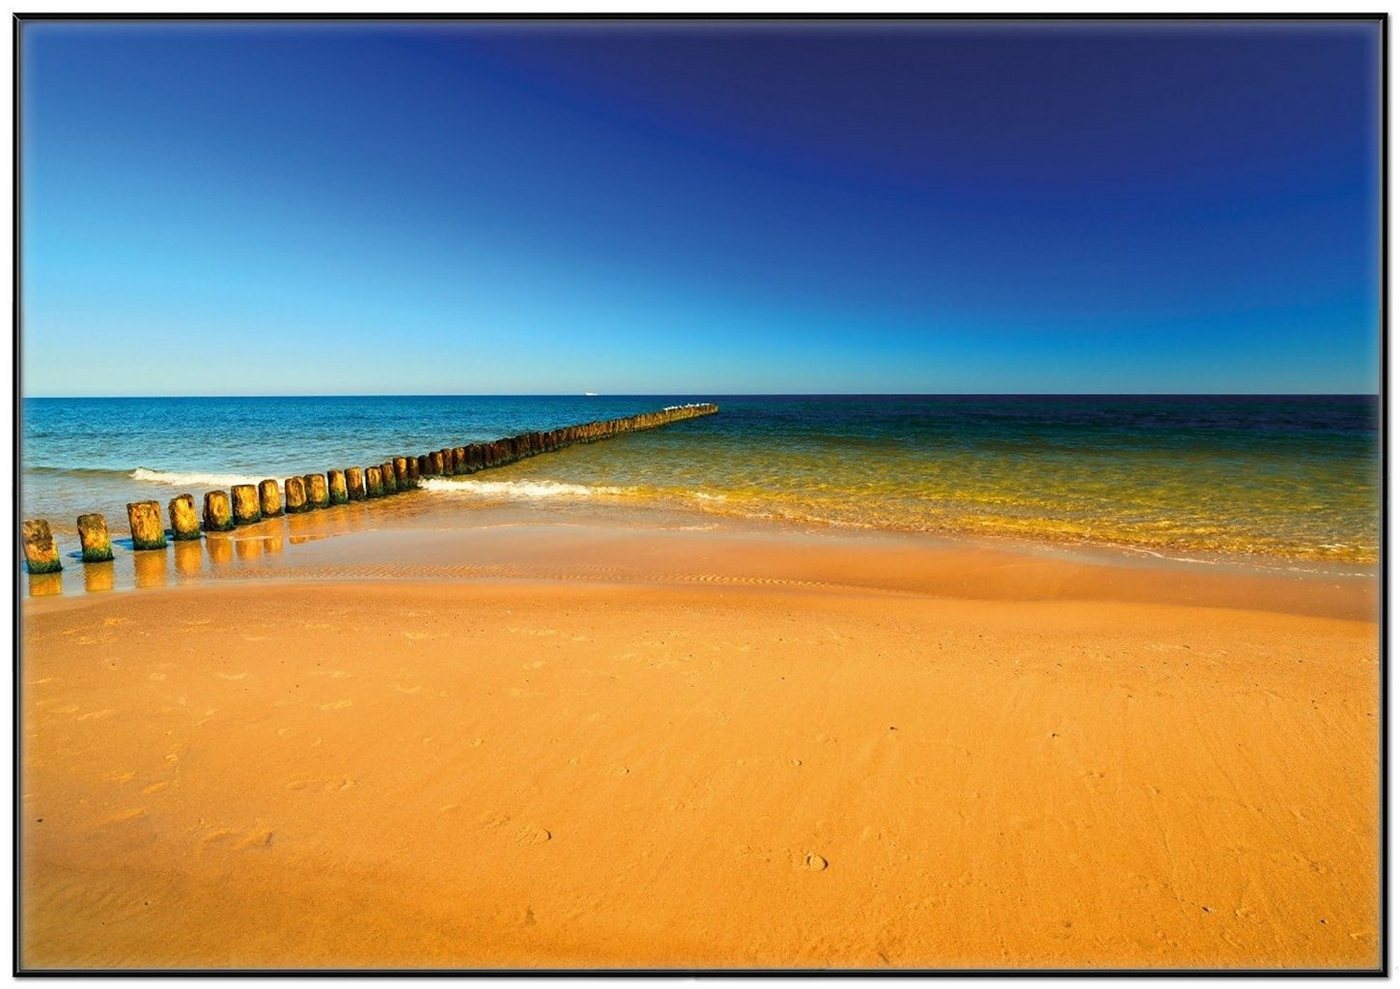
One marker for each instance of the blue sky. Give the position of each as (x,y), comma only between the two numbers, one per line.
(928,207)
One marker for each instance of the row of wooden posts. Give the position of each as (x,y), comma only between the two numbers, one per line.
(245,504)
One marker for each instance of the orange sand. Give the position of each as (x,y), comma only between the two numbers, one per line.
(712,752)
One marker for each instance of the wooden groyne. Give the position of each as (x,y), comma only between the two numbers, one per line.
(247,504)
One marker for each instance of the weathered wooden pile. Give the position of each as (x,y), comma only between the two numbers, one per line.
(246,504)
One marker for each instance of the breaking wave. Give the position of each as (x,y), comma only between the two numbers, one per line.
(530,490)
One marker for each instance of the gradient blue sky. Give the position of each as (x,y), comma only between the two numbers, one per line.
(927,207)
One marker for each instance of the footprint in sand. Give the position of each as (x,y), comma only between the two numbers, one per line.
(122,777)
(133,814)
(813,862)
(259,838)
(406,690)
(255,839)
(331,785)
(532,836)
(156,787)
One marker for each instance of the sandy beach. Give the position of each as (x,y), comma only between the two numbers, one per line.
(583,746)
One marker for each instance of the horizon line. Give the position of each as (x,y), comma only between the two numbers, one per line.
(777,394)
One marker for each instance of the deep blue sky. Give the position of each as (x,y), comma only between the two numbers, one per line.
(927,207)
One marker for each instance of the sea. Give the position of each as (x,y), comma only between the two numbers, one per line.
(1287,478)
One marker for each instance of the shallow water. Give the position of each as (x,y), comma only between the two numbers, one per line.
(1292,478)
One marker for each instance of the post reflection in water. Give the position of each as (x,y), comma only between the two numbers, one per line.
(189,558)
(151,568)
(220,549)
(247,549)
(45,584)
(99,576)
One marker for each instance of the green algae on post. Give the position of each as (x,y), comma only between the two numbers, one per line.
(184,522)
(317,495)
(386,477)
(269,498)
(295,489)
(355,483)
(40,550)
(401,477)
(335,484)
(93,536)
(146,529)
(374,483)
(218,512)
(246,508)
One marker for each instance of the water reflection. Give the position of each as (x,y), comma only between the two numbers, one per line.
(220,548)
(99,576)
(45,584)
(151,568)
(189,558)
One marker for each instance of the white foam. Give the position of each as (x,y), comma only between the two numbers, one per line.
(181,479)
(517,489)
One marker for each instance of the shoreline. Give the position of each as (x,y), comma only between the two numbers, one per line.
(436,534)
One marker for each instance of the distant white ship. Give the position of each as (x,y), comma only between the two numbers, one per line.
(590,394)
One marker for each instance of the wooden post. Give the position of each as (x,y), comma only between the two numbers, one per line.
(401,477)
(425,465)
(246,508)
(355,483)
(269,498)
(386,477)
(92,535)
(40,551)
(218,513)
(295,490)
(374,483)
(335,483)
(317,494)
(184,522)
(146,530)
(412,470)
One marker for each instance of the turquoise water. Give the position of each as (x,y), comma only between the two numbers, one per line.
(1293,477)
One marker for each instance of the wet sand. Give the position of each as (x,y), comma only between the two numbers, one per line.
(581,746)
